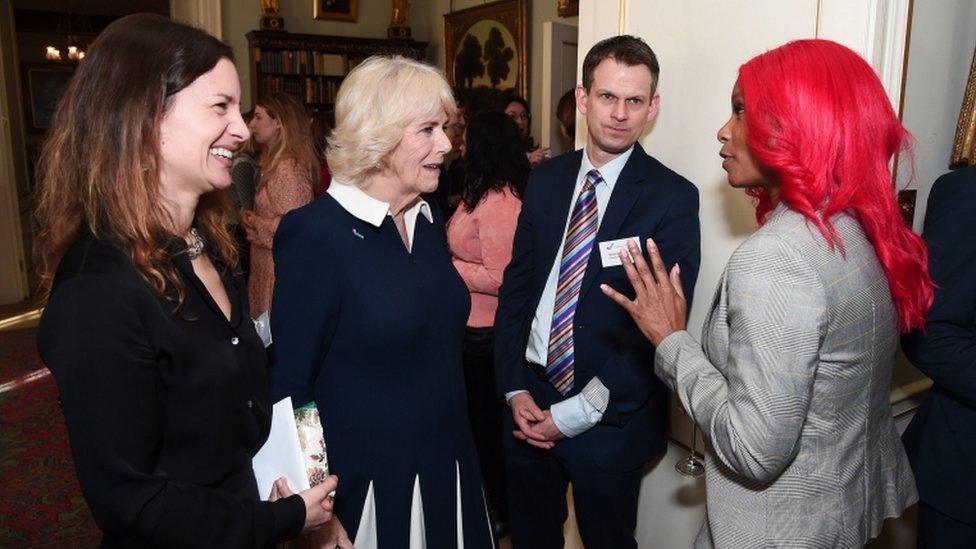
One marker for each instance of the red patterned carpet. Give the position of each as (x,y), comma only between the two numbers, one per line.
(40,501)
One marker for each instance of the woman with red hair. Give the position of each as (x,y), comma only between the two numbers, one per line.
(791,382)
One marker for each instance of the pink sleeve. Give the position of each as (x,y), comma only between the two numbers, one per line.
(495,220)
(290,187)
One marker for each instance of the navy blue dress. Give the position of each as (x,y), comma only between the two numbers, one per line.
(373,334)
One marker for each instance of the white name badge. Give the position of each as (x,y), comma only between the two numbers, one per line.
(610,250)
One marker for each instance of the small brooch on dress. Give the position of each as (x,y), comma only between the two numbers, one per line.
(357,233)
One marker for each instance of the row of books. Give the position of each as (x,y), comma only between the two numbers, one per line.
(308,89)
(305,62)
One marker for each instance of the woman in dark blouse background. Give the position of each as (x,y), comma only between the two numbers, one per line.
(160,371)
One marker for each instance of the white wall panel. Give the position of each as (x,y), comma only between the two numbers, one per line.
(700,45)
(939,55)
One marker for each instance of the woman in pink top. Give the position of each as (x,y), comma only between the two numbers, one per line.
(288,163)
(480,238)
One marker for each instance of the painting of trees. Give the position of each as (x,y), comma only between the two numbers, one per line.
(468,65)
(497,55)
(486,56)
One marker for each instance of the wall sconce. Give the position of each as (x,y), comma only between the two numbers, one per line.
(53,54)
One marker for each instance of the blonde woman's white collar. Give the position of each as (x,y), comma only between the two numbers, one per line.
(370,210)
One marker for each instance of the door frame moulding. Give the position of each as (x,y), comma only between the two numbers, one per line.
(876,29)
(13,266)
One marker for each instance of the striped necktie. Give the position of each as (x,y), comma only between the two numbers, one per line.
(576,254)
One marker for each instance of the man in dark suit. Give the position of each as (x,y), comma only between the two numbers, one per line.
(584,404)
(941,439)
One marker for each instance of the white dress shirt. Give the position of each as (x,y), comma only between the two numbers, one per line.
(579,413)
(366,208)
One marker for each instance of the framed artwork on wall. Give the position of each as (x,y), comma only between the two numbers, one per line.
(44,85)
(335,10)
(485,50)
(567,8)
(964,143)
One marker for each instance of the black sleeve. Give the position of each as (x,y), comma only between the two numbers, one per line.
(94,339)
(515,300)
(946,351)
(305,306)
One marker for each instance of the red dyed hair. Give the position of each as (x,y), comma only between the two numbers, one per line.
(819,118)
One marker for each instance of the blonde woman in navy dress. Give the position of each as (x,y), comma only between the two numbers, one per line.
(370,315)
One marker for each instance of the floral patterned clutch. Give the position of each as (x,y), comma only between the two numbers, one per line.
(312,441)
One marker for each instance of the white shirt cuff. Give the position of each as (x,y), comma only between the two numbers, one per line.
(597,394)
(580,413)
(510,394)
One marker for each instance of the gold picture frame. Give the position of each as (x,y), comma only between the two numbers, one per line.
(336,10)
(567,8)
(964,144)
(483,81)
(44,84)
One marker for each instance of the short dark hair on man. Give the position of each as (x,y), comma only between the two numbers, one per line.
(626,49)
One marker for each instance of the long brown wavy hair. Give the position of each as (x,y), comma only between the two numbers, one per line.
(295,139)
(99,168)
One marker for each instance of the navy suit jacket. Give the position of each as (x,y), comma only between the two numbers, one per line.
(941,439)
(648,200)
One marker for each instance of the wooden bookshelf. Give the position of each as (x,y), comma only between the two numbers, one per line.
(311,66)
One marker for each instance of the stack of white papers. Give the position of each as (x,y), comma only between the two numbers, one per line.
(281,455)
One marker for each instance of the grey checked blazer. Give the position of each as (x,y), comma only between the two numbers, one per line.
(791,389)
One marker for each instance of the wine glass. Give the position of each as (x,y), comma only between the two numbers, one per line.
(691,466)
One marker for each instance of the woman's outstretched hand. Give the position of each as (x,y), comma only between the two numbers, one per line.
(659,306)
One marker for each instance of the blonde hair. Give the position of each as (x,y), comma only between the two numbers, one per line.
(295,138)
(377,100)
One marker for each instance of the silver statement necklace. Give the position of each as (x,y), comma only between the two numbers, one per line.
(194,248)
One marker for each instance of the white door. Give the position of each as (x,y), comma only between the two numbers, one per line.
(559,51)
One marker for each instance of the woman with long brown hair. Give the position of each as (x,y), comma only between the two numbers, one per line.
(289,165)
(161,374)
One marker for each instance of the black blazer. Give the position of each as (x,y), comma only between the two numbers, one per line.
(648,200)
(164,411)
(941,439)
